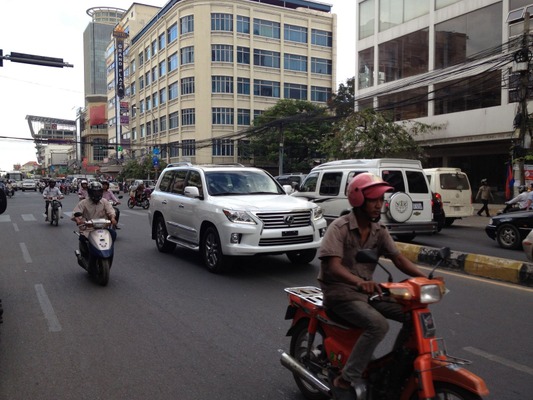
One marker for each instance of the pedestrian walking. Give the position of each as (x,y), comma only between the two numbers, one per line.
(485,194)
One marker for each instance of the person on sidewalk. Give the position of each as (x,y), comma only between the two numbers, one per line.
(485,194)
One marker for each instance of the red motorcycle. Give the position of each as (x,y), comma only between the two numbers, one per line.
(142,200)
(417,368)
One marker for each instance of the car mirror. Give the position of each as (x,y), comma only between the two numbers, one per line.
(191,191)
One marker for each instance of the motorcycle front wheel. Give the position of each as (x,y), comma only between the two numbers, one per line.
(146,204)
(449,391)
(102,271)
(315,362)
(131,203)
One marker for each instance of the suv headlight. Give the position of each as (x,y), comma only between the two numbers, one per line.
(239,217)
(318,213)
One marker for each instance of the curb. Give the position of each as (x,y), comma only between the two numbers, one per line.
(500,269)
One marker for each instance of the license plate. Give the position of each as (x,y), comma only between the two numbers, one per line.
(418,205)
(289,233)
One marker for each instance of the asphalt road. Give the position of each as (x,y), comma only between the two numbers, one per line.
(165,328)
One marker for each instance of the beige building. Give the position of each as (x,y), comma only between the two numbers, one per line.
(197,72)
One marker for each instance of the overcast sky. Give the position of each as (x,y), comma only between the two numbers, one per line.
(55,29)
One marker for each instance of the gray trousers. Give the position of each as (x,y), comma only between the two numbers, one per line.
(373,319)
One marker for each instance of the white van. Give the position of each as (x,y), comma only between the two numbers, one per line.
(454,189)
(406,212)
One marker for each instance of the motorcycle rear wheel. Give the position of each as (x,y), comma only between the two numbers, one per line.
(298,350)
(131,203)
(449,391)
(102,271)
(146,204)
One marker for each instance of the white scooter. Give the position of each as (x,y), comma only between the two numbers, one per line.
(54,210)
(95,254)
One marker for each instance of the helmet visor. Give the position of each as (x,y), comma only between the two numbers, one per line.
(377,191)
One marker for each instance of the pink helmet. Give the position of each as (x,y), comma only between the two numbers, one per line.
(366,186)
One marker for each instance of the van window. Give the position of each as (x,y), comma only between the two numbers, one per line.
(351,175)
(331,183)
(395,179)
(416,182)
(454,181)
(310,182)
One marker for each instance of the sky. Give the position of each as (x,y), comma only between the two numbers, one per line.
(55,29)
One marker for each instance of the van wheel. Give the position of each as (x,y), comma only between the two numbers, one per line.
(448,221)
(406,237)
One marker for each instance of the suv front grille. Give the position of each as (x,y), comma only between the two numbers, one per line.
(294,219)
(284,241)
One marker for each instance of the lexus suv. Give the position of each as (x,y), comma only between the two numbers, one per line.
(226,211)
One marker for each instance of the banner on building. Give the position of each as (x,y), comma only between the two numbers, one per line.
(119,35)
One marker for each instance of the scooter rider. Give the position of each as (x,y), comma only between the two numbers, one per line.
(110,196)
(346,283)
(83,191)
(520,199)
(51,191)
(93,207)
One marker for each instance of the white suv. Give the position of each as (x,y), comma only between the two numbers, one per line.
(226,211)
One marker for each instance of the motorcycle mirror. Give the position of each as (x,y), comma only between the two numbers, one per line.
(371,257)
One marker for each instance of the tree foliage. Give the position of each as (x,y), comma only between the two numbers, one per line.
(372,134)
(299,125)
(342,102)
(140,169)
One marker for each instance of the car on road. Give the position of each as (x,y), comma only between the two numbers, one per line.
(510,229)
(229,211)
(113,186)
(29,184)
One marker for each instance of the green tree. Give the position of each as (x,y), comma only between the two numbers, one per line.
(342,102)
(372,134)
(142,168)
(299,125)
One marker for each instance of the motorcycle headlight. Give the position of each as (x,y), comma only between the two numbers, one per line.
(431,294)
(318,213)
(239,217)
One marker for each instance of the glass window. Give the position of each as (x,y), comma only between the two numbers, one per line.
(187,85)
(243,85)
(162,41)
(162,68)
(243,24)
(148,53)
(330,185)
(141,58)
(162,96)
(187,55)
(321,66)
(154,74)
(310,182)
(243,116)
(460,38)
(294,62)
(294,91)
(366,68)
(222,116)
(243,55)
(321,38)
(479,91)
(444,3)
(295,33)
(223,147)
(222,53)
(221,22)
(172,33)
(266,88)
(266,28)
(188,147)
(187,24)
(396,12)
(173,120)
(404,56)
(188,116)
(222,84)
(409,104)
(395,179)
(163,124)
(265,58)
(320,94)
(178,184)
(173,62)
(147,79)
(173,91)
(166,180)
(154,47)
(416,182)
(366,19)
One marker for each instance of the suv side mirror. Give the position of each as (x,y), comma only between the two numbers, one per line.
(191,191)
(288,189)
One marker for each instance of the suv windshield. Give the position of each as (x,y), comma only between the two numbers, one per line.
(226,183)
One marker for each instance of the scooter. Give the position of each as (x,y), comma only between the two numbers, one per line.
(143,202)
(10,192)
(54,210)
(95,254)
(417,368)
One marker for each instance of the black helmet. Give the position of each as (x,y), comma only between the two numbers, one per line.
(51,182)
(522,188)
(95,191)
(104,182)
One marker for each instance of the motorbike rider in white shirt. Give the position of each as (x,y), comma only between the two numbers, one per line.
(51,191)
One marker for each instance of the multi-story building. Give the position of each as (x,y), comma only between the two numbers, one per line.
(445,62)
(199,72)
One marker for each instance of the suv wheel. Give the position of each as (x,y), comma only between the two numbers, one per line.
(301,257)
(163,245)
(508,237)
(211,251)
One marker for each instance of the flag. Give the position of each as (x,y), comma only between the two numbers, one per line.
(509,182)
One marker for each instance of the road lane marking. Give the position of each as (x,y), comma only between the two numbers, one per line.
(25,253)
(15,227)
(500,360)
(5,218)
(28,217)
(48,310)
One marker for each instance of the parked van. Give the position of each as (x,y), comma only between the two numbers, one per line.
(406,212)
(454,188)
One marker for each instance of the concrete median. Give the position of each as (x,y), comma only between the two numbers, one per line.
(501,269)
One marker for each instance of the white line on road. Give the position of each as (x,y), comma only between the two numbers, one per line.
(25,253)
(48,310)
(500,360)
(15,227)
(28,217)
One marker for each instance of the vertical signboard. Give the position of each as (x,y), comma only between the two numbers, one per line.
(119,35)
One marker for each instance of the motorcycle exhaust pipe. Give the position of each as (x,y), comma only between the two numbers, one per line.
(295,367)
